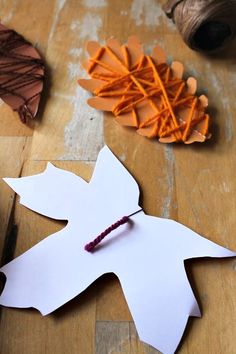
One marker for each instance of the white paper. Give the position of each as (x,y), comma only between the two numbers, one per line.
(147,255)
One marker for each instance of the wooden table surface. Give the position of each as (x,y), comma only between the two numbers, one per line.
(195,185)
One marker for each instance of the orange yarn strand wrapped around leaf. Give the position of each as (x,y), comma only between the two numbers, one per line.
(144,92)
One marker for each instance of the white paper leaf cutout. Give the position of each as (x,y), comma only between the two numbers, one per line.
(147,255)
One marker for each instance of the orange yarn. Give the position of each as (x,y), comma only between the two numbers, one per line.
(174,113)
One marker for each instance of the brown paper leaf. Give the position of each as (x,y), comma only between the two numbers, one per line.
(21,74)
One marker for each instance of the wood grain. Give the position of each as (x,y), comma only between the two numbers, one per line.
(119,337)
(194,185)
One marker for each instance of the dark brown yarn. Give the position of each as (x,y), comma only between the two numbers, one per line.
(205,25)
(21,75)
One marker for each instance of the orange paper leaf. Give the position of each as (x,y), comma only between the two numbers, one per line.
(144,92)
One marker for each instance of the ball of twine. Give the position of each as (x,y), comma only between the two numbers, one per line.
(205,25)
